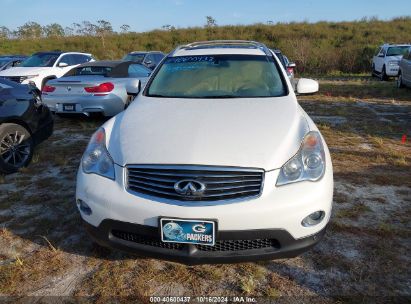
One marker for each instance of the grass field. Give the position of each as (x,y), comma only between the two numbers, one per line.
(364,258)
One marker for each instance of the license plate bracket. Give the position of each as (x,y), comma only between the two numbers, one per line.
(188,231)
(69,107)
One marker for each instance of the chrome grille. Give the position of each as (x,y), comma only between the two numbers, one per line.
(221,183)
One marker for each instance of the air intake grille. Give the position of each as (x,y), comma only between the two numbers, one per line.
(237,245)
(222,245)
(221,183)
(145,240)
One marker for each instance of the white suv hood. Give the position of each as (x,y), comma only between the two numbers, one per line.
(24,71)
(258,133)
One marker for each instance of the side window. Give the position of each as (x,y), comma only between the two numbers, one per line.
(159,57)
(383,51)
(16,63)
(79,59)
(137,71)
(378,51)
(149,57)
(67,59)
(409,54)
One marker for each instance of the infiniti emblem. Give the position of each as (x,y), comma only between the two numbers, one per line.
(189,187)
(69,89)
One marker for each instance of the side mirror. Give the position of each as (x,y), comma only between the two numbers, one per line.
(148,62)
(62,65)
(307,86)
(381,55)
(291,65)
(133,87)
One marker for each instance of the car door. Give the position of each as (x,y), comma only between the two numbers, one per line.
(406,67)
(379,60)
(69,60)
(375,56)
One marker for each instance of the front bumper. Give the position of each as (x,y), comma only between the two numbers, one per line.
(392,70)
(231,246)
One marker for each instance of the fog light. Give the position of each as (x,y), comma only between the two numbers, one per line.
(313,219)
(84,208)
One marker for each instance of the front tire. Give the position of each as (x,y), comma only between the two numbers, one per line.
(400,84)
(384,76)
(16,147)
(374,72)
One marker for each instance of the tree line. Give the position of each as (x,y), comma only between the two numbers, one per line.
(317,48)
(33,30)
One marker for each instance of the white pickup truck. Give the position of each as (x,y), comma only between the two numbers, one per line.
(386,59)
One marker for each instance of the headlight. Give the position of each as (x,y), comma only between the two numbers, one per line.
(307,164)
(393,62)
(96,159)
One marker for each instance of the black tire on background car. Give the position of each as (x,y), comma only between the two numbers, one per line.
(383,74)
(399,81)
(16,147)
(374,72)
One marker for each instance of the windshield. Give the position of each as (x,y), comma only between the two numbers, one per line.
(40,60)
(91,70)
(217,76)
(134,57)
(3,61)
(397,50)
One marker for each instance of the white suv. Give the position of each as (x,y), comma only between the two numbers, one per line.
(386,59)
(214,161)
(43,66)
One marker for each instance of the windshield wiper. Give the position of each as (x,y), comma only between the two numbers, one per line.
(157,95)
(217,96)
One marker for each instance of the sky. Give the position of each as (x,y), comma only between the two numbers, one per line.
(153,14)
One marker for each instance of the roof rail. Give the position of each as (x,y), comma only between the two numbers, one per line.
(222,43)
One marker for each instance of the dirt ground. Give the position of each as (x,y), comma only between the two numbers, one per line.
(364,257)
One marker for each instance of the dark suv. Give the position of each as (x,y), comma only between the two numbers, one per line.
(24,122)
(149,59)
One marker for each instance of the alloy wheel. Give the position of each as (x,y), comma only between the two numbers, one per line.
(14,150)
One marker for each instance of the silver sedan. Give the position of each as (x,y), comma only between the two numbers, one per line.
(105,87)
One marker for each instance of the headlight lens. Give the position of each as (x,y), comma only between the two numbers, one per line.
(307,164)
(96,159)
